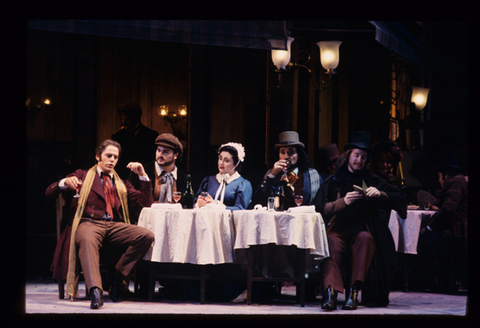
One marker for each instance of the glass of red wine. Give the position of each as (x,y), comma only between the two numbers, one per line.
(298,199)
(177,195)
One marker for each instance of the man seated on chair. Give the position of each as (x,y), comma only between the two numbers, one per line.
(102,216)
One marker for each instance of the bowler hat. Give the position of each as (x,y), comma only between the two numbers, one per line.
(360,140)
(170,141)
(288,139)
(449,160)
(327,153)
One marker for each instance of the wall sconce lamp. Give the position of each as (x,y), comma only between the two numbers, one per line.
(420,97)
(329,56)
(170,116)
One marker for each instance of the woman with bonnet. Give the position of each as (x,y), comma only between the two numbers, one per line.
(227,187)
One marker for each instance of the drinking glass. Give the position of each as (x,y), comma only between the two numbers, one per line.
(177,195)
(271,203)
(77,195)
(284,176)
(298,199)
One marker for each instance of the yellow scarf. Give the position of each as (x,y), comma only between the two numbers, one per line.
(72,276)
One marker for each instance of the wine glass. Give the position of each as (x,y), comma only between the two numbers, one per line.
(77,195)
(298,199)
(177,195)
(284,176)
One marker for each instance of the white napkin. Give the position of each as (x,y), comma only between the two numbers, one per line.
(167,206)
(302,209)
(259,207)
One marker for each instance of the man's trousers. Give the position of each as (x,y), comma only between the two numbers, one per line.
(360,249)
(91,235)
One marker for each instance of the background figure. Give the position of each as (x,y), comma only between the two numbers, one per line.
(385,161)
(135,138)
(303,179)
(164,173)
(362,250)
(326,160)
(101,218)
(227,186)
(443,240)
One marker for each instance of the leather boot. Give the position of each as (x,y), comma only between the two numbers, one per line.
(329,300)
(351,302)
(116,288)
(96,296)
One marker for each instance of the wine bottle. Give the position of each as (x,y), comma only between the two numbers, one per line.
(279,196)
(187,200)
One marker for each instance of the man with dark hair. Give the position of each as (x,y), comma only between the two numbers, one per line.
(101,217)
(166,177)
(443,240)
(302,177)
(355,206)
(135,138)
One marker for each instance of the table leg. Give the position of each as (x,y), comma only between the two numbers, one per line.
(151,280)
(203,271)
(301,285)
(249,275)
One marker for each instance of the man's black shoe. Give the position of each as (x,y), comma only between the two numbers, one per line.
(96,296)
(116,289)
(329,300)
(352,299)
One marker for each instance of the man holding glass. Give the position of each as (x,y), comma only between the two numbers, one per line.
(166,177)
(295,169)
(101,216)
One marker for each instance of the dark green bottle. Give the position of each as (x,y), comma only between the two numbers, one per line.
(187,199)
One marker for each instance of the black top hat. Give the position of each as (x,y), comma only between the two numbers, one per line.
(360,140)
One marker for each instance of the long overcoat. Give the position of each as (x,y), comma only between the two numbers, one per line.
(376,215)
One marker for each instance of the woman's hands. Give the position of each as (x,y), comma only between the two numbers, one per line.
(202,201)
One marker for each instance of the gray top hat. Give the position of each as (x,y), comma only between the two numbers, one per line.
(360,140)
(288,139)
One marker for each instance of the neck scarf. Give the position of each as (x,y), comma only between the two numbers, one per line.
(72,276)
(166,188)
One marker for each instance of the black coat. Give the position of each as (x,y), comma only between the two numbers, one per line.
(375,214)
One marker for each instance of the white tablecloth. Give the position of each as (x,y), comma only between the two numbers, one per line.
(405,232)
(197,236)
(304,230)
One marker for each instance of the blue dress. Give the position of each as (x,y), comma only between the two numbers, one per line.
(238,192)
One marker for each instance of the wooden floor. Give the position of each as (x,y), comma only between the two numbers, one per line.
(41,297)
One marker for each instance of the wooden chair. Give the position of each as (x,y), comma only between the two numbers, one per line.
(105,262)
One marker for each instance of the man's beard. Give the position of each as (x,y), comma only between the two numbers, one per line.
(166,163)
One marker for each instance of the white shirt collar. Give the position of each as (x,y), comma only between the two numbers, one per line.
(159,170)
(229,179)
(99,172)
